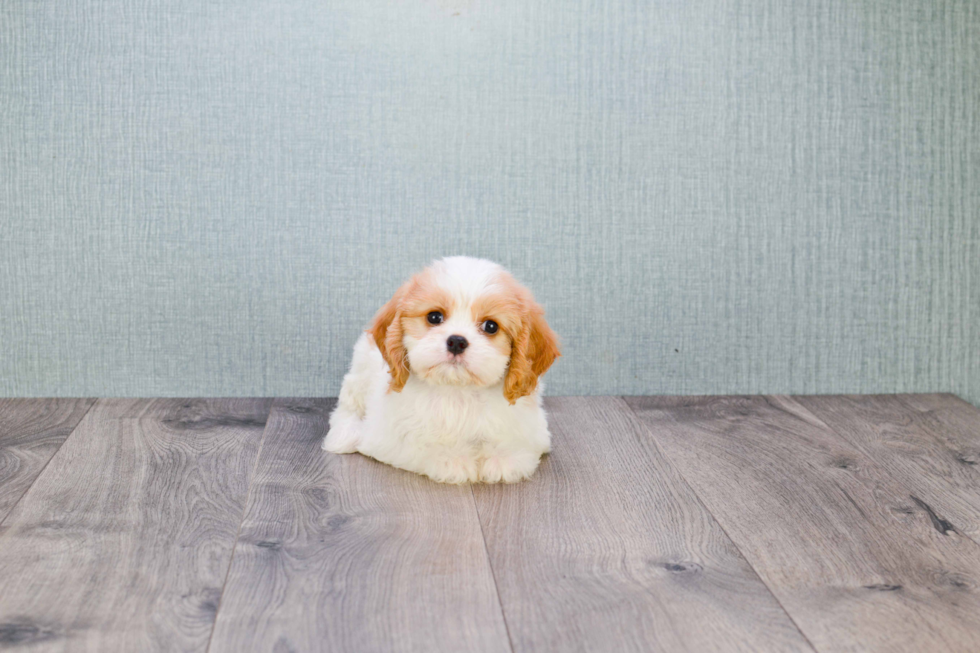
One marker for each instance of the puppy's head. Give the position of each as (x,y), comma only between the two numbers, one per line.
(465,321)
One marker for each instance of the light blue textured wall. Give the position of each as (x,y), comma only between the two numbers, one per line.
(212,198)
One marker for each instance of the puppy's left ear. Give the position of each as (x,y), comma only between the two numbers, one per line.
(534,350)
(386,329)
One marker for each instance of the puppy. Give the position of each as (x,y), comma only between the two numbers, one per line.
(445,381)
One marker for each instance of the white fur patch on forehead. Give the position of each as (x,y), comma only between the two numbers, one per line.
(466,278)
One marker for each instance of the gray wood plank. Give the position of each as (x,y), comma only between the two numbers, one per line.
(124,541)
(953,420)
(342,553)
(856,561)
(607,548)
(31,430)
(929,443)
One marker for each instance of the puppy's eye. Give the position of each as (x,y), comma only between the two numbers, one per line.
(434,317)
(490,327)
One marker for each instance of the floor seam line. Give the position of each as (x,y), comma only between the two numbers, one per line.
(493,572)
(241,522)
(48,462)
(697,496)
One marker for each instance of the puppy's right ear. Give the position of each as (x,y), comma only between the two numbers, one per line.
(534,350)
(386,329)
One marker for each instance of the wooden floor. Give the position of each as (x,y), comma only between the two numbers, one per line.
(657,523)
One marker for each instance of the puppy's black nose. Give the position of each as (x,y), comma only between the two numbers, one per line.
(456,344)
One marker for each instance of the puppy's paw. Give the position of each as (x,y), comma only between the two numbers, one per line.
(509,469)
(344,436)
(455,469)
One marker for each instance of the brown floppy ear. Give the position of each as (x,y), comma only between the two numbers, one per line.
(534,350)
(386,329)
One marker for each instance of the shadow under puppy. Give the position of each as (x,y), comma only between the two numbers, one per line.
(445,381)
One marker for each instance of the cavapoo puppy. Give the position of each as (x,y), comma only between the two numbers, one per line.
(445,381)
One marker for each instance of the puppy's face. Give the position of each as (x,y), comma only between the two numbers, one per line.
(465,321)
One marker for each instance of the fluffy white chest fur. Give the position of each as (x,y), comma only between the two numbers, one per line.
(445,382)
(453,434)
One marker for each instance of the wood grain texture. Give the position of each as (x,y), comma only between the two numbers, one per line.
(930,443)
(124,541)
(31,430)
(607,548)
(857,561)
(341,553)
(953,420)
